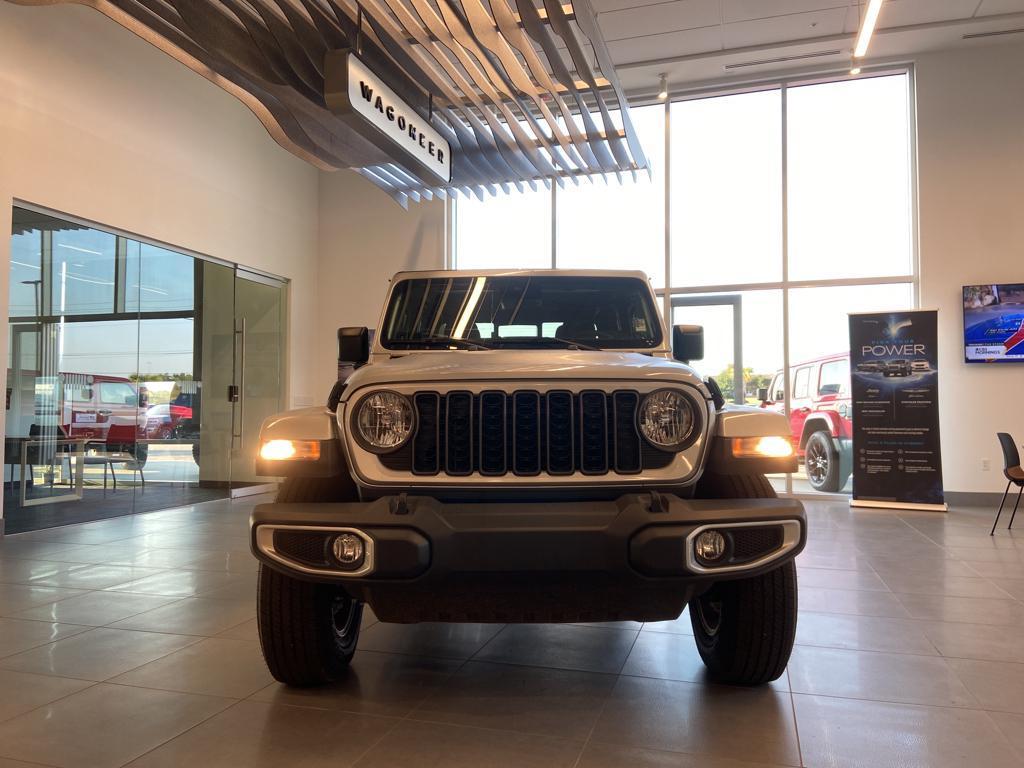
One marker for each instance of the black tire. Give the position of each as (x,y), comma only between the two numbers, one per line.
(308,631)
(821,463)
(745,629)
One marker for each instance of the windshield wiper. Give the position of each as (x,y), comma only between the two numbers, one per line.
(567,343)
(572,343)
(463,343)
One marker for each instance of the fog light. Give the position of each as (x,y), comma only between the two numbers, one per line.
(348,549)
(710,546)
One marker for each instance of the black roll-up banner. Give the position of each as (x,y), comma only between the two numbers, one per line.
(894,377)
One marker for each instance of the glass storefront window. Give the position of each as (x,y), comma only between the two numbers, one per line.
(849,179)
(107,349)
(727,189)
(602,220)
(510,231)
(83,265)
(157,279)
(24,292)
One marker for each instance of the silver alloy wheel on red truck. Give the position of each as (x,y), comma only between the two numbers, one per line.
(821,462)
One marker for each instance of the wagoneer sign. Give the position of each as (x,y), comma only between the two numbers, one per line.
(385,119)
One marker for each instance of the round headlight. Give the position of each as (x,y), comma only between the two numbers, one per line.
(384,421)
(666,419)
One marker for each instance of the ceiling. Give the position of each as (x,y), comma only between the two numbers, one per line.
(695,41)
(420,96)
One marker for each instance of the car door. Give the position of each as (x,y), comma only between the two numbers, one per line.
(80,415)
(118,407)
(833,391)
(802,401)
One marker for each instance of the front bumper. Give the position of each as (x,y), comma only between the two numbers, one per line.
(631,558)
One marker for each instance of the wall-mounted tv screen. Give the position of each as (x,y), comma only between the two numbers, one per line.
(994,323)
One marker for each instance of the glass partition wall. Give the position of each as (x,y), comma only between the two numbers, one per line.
(769,216)
(137,375)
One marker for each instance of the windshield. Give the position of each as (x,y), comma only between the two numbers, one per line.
(536,312)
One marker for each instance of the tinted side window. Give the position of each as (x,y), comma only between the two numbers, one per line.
(117,392)
(801,382)
(835,377)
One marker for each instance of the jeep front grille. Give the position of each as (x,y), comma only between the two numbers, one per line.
(526,433)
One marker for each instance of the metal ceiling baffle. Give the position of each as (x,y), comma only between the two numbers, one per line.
(523,94)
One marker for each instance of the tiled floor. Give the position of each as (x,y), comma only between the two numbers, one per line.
(132,642)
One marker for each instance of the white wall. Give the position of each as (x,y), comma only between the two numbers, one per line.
(970,116)
(364,238)
(97,123)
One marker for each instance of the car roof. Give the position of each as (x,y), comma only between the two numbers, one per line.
(816,360)
(634,273)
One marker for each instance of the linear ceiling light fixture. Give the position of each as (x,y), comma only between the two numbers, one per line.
(867,28)
(781,59)
(996,33)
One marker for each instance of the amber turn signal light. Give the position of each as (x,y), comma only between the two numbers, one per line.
(772,447)
(290,450)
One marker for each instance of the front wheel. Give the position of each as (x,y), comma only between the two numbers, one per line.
(745,629)
(308,632)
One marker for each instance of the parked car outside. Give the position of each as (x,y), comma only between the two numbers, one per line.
(163,421)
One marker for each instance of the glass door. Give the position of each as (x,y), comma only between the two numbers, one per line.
(257,390)
(241,338)
(721,317)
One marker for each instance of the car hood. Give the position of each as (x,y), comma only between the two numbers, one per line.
(516,365)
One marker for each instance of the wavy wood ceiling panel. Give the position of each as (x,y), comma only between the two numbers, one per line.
(524,91)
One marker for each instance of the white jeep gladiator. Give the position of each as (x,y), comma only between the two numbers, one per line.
(526,446)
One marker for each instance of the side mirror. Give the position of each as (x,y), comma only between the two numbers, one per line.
(687,343)
(762,394)
(353,346)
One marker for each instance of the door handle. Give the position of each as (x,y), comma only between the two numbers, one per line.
(236,392)
(104,412)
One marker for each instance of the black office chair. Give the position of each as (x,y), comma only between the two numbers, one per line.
(1014,476)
